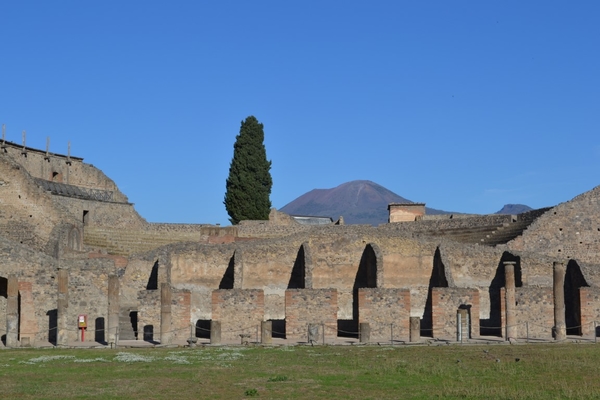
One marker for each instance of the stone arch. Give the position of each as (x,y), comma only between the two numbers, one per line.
(439,278)
(74,239)
(301,275)
(574,280)
(493,325)
(370,268)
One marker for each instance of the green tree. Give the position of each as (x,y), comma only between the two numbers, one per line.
(249,182)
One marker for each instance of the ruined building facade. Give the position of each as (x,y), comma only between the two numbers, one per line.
(71,244)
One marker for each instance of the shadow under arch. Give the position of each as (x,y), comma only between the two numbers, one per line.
(153,279)
(301,275)
(493,325)
(437,279)
(228,277)
(574,280)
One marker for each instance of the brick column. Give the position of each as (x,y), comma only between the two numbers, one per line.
(165,313)
(113,309)
(560,326)
(509,293)
(62,307)
(12,312)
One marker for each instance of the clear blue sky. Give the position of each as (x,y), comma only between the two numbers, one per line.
(464,105)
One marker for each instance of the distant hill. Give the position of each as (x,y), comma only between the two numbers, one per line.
(514,209)
(359,202)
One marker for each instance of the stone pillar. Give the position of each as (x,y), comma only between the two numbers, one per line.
(266,332)
(165,313)
(415,329)
(463,328)
(364,332)
(560,325)
(112,335)
(12,312)
(510,300)
(62,308)
(215,332)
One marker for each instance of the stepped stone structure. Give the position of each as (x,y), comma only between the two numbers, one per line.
(72,245)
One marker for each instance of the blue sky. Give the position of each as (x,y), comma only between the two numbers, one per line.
(464,105)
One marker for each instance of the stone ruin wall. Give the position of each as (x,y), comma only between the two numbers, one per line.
(59,168)
(571,230)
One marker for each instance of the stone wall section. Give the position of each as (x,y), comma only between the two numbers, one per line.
(310,306)
(445,304)
(180,314)
(535,311)
(240,311)
(149,315)
(590,310)
(381,308)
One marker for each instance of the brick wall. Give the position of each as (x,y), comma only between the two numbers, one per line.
(240,311)
(383,307)
(310,306)
(180,314)
(445,303)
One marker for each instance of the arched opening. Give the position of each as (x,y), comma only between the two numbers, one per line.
(56,177)
(437,279)
(574,280)
(493,325)
(368,275)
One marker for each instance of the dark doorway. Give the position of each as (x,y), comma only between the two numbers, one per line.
(133,318)
(149,333)
(52,326)
(203,328)
(278,328)
(86,213)
(573,281)
(99,331)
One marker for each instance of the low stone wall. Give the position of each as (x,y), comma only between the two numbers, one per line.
(240,311)
(149,315)
(310,306)
(445,304)
(381,308)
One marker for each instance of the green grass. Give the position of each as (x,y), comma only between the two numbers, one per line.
(344,372)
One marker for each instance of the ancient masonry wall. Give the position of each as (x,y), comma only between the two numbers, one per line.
(310,306)
(570,230)
(240,312)
(383,310)
(445,304)
(535,312)
(149,315)
(62,169)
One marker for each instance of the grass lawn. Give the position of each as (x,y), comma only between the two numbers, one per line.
(542,371)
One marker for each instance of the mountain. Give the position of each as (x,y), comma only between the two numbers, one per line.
(514,209)
(359,202)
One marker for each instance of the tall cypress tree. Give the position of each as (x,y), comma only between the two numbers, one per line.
(249,182)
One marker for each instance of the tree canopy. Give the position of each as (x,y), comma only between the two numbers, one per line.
(249,182)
